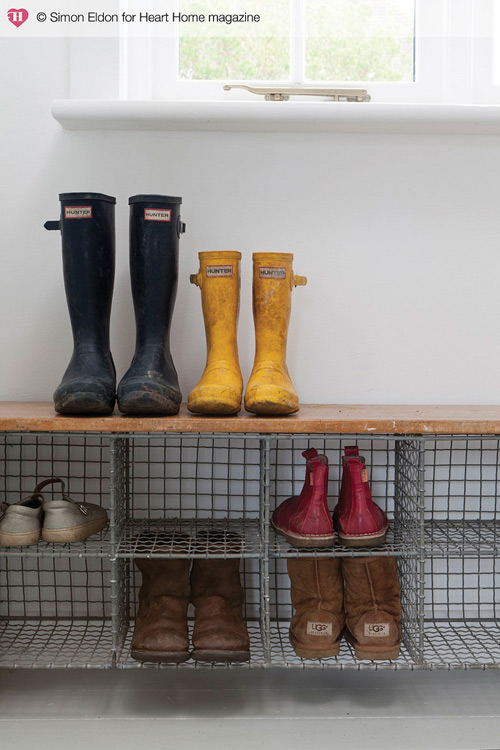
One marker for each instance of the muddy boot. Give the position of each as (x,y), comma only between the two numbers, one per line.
(305,520)
(151,386)
(87,227)
(317,592)
(270,389)
(373,606)
(161,631)
(220,632)
(221,385)
(358,520)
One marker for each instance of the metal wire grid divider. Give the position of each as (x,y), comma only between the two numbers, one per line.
(119,509)
(56,619)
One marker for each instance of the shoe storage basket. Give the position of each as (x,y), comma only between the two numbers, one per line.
(72,605)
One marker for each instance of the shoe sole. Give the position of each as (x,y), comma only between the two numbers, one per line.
(141,403)
(74,533)
(306,541)
(161,657)
(361,652)
(307,653)
(364,540)
(24,539)
(83,403)
(143,396)
(271,409)
(221,656)
(214,408)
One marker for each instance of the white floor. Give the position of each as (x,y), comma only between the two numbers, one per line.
(240,710)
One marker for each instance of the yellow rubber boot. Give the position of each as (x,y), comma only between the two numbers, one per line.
(220,388)
(270,390)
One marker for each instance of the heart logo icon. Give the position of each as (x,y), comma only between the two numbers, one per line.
(17,16)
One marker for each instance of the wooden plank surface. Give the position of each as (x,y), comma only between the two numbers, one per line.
(26,416)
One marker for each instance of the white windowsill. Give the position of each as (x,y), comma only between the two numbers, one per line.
(317,117)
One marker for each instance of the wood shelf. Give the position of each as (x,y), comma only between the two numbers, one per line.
(27,416)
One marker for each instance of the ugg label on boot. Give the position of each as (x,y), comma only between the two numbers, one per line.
(319,628)
(158,214)
(225,271)
(268,272)
(78,212)
(376,630)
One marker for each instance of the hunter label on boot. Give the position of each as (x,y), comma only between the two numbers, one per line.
(78,212)
(157,214)
(270,272)
(319,628)
(220,271)
(376,630)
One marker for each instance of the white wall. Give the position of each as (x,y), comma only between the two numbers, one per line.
(398,236)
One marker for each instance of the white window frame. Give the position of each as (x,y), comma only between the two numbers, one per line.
(454,62)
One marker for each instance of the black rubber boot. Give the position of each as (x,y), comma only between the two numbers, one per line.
(150,386)
(87,226)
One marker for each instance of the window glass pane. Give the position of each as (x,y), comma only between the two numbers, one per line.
(236,51)
(369,40)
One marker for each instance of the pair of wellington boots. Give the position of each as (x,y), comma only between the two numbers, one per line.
(305,520)
(355,598)
(269,389)
(87,226)
(168,587)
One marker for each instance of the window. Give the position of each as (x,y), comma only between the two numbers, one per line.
(400,50)
(311,41)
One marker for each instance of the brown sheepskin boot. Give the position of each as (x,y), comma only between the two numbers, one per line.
(220,632)
(161,632)
(317,592)
(373,606)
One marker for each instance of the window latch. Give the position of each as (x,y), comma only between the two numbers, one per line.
(278,94)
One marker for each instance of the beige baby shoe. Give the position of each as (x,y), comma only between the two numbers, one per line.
(65,520)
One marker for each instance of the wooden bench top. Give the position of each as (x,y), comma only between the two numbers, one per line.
(27,416)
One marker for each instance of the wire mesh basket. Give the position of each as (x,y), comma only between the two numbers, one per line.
(73,605)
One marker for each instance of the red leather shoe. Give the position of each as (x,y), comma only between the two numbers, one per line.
(305,520)
(357,519)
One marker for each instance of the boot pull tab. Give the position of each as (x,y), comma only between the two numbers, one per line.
(181,227)
(310,453)
(320,458)
(298,280)
(195,278)
(52,225)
